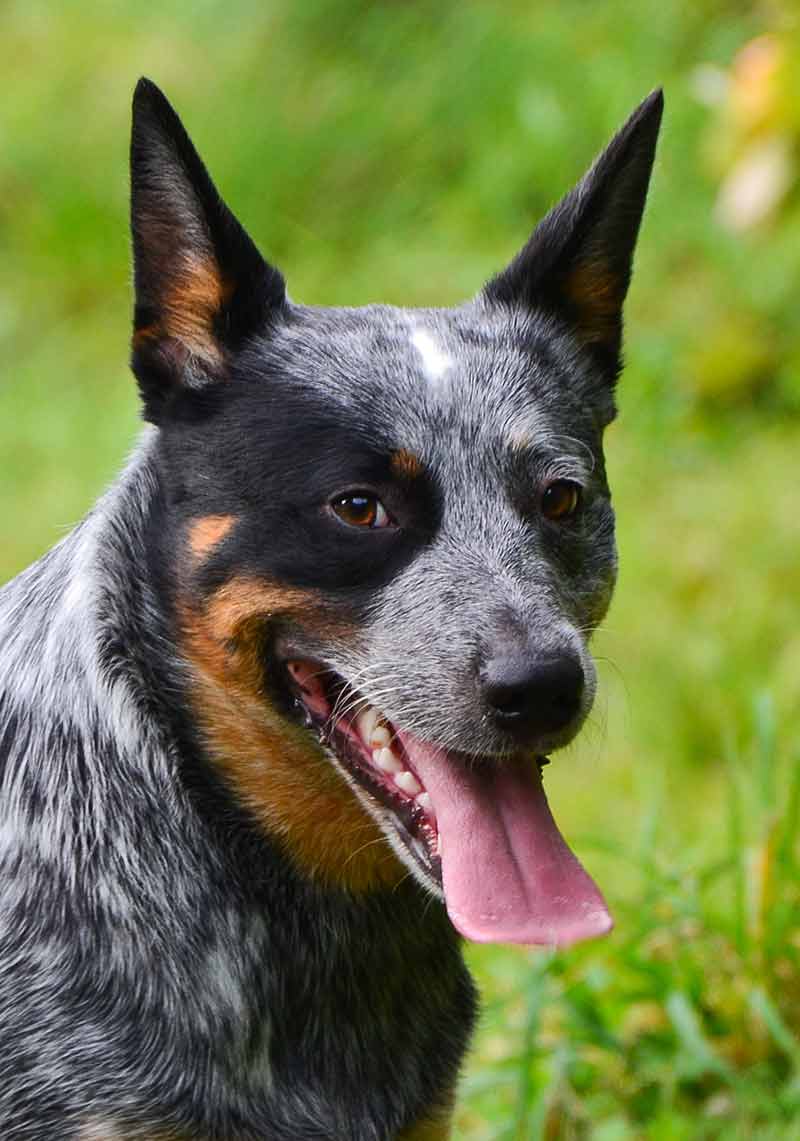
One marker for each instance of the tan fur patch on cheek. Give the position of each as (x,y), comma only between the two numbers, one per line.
(208,532)
(276,768)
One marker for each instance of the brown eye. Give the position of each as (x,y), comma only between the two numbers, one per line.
(360,509)
(561,499)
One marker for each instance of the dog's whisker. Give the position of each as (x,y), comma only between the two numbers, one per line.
(381,840)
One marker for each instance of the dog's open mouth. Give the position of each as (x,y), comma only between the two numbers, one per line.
(370,751)
(477,830)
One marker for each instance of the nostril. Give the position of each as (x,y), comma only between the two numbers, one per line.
(533,695)
(507,701)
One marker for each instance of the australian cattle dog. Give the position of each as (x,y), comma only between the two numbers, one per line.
(273,716)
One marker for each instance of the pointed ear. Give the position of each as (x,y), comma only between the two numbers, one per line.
(577,264)
(201,285)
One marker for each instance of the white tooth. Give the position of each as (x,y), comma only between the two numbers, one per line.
(380,736)
(425,802)
(386,760)
(408,783)
(366,721)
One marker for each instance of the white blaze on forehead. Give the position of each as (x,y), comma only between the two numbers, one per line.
(435,361)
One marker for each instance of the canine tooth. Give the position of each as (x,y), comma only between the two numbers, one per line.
(380,736)
(425,802)
(408,783)
(387,761)
(366,721)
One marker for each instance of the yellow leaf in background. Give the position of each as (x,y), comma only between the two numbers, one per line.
(757,184)
(755,83)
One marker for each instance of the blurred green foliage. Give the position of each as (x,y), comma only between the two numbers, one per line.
(402,152)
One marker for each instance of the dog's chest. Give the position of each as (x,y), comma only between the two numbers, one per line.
(366,1027)
(339,1020)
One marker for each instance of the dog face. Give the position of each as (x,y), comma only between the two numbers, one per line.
(390,529)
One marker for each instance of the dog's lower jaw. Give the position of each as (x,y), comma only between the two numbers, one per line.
(410,850)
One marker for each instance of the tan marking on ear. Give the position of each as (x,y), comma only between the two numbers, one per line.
(194,294)
(190,306)
(275,767)
(207,532)
(595,294)
(405,464)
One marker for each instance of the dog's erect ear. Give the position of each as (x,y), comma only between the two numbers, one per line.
(201,285)
(577,263)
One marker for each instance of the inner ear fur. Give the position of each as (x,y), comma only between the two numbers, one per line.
(201,286)
(183,321)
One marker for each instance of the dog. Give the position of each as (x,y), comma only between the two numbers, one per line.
(269,716)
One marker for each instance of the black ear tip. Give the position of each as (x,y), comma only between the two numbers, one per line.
(147,94)
(654,103)
(650,110)
(151,106)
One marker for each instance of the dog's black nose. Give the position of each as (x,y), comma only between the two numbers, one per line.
(527,696)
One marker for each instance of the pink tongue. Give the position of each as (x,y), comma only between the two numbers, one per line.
(508,874)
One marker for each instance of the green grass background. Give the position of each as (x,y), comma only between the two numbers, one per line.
(401,152)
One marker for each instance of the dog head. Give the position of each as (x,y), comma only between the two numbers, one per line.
(391,531)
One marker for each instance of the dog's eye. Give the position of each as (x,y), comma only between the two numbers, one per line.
(561,499)
(361,509)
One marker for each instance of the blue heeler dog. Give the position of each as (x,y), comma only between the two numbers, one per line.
(272,718)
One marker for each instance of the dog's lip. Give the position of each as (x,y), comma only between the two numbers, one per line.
(316,690)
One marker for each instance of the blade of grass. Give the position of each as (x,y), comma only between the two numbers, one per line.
(529,1113)
(688,1027)
(736,846)
(766,1011)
